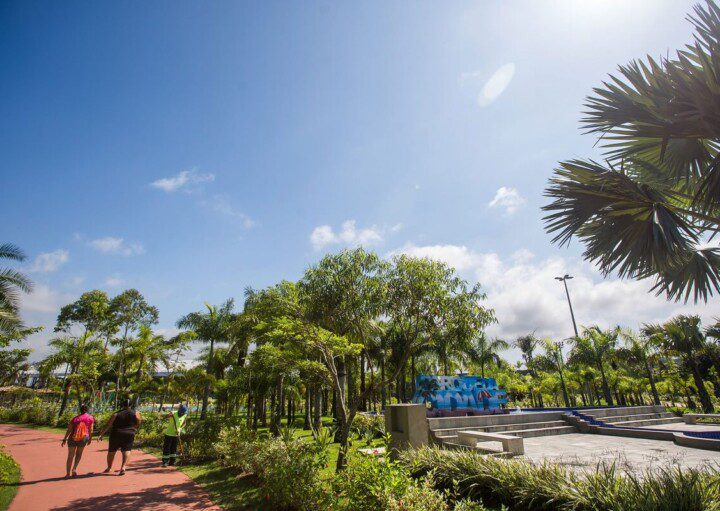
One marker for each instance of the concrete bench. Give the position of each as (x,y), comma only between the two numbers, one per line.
(511,444)
(692,418)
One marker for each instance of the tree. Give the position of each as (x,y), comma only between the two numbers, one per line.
(11,282)
(209,327)
(129,311)
(682,335)
(81,355)
(527,344)
(645,213)
(641,351)
(594,347)
(486,351)
(552,361)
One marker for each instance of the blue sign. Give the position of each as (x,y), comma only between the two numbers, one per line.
(459,393)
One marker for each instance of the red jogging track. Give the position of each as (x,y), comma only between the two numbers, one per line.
(145,486)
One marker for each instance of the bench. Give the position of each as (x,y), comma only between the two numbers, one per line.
(692,418)
(511,444)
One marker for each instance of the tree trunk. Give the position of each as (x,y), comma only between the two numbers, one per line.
(703,395)
(363,405)
(383,389)
(317,409)
(605,386)
(340,414)
(412,375)
(308,408)
(653,388)
(208,371)
(278,409)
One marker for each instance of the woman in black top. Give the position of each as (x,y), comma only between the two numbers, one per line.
(122,425)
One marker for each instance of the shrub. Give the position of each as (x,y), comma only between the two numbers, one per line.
(417,497)
(290,473)
(522,485)
(368,483)
(368,426)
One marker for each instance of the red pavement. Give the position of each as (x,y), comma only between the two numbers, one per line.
(146,485)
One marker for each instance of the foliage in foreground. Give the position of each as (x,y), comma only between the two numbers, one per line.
(525,486)
(9,477)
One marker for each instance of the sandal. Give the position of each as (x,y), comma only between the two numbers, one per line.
(121,473)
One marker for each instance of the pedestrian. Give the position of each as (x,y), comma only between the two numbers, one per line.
(175,427)
(122,425)
(77,436)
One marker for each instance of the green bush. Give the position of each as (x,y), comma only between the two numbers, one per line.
(368,483)
(417,497)
(290,473)
(368,426)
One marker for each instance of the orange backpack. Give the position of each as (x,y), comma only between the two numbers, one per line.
(81,431)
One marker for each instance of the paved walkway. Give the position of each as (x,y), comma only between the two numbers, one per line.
(145,486)
(585,451)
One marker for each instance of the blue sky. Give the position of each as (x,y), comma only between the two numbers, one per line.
(190,149)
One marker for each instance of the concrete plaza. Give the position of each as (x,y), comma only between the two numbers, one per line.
(585,451)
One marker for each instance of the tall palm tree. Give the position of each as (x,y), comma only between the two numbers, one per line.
(552,361)
(485,351)
(595,347)
(645,213)
(77,354)
(641,351)
(210,327)
(683,336)
(11,281)
(527,344)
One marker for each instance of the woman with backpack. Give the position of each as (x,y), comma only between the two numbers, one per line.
(77,436)
(122,425)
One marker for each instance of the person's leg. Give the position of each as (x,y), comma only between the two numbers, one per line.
(166,450)
(110,459)
(173,449)
(70,456)
(78,457)
(125,458)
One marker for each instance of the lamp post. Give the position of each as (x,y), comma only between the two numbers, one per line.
(564,280)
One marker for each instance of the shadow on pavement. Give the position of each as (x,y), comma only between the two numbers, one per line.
(180,496)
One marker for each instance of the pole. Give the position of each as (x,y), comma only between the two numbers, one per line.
(572,315)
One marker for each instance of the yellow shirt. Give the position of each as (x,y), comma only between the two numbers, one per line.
(175,424)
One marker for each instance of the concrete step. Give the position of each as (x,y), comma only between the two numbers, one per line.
(599,413)
(649,422)
(557,430)
(499,428)
(637,416)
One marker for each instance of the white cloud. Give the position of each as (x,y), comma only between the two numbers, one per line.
(187,180)
(111,245)
(507,198)
(113,281)
(42,299)
(348,235)
(221,205)
(526,298)
(49,261)
(496,85)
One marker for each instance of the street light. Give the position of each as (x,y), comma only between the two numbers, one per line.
(567,293)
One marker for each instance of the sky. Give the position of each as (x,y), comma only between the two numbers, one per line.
(192,149)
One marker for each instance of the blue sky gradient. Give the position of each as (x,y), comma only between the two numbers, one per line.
(288,119)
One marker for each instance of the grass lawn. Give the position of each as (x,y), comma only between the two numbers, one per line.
(9,477)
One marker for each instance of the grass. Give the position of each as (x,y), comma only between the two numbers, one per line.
(9,479)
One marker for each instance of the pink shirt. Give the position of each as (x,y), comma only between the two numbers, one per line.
(86,418)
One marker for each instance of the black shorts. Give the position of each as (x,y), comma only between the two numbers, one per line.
(121,441)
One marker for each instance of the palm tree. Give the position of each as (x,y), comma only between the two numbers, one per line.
(80,355)
(683,336)
(594,347)
(11,281)
(641,351)
(553,361)
(645,213)
(527,345)
(209,327)
(485,351)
